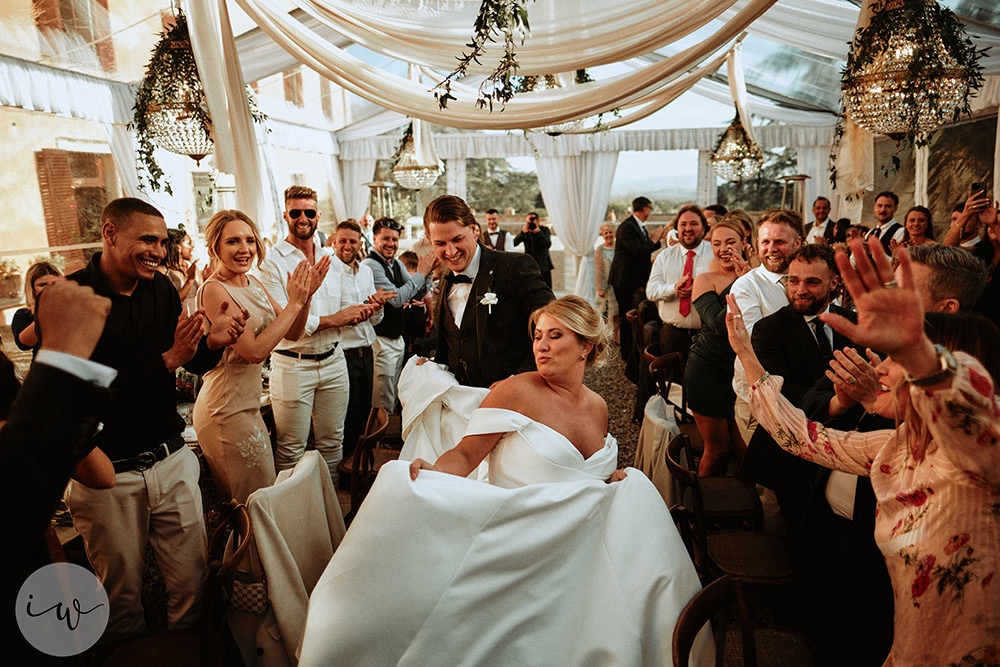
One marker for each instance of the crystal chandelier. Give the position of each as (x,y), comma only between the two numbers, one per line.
(908,71)
(735,158)
(409,173)
(175,125)
(548,82)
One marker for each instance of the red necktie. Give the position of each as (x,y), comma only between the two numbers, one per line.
(688,268)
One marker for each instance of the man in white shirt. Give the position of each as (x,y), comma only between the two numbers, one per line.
(671,278)
(494,237)
(886,229)
(390,274)
(822,228)
(309,381)
(762,292)
(358,288)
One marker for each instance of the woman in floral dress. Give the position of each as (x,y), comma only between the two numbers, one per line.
(227,417)
(936,477)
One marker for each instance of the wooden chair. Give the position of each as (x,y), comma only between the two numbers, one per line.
(665,371)
(720,500)
(364,465)
(752,556)
(748,643)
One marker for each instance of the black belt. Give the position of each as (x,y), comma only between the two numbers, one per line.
(362,352)
(309,356)
(146,460)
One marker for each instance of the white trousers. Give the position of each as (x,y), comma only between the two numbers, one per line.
(160,506)
(304,391)
(388,365)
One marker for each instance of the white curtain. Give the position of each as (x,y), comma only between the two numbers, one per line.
(456,177)
(576,191)
(738,89)
(527,111)
(123,154)
(236,148)
(708,184)
(856,159)
(921,155)
(813,161)
(354,175)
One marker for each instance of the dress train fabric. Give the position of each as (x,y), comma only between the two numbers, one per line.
(545,564)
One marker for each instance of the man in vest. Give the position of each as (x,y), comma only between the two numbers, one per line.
(390,274)
(485,300)
(886,229)
(494,237)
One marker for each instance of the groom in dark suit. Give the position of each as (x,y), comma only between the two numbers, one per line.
(630,268)
(484,301)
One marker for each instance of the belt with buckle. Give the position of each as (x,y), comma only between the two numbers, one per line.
(308,355)
(146,460)
(365,351)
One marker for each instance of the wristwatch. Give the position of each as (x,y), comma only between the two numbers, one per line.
(948,367)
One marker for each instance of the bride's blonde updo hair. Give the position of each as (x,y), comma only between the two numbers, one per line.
(582,319)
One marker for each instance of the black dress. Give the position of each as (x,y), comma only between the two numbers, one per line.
(708,377)
(23,318)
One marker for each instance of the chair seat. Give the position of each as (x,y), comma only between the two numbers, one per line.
(776,647)
(382,455)
(750,555)
(724,495)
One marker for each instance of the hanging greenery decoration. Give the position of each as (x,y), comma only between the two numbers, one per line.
(170,110)
(910,70)
(507,19)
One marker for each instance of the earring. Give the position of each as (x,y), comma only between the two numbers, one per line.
(583,357)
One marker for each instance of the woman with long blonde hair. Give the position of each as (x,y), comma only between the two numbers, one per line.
(227,417)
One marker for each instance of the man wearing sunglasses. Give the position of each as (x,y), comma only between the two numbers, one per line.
(391,275)
(309,378)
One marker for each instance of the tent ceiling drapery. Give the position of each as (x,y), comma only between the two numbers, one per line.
(527,111)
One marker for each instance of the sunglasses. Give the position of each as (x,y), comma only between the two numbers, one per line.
(388,224)
(295,212)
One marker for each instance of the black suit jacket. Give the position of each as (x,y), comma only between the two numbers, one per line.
(51,428)
(786,346)
(631,264)
(537,245)
(504,344)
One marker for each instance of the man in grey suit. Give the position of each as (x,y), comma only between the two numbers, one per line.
(630,268)
(485,299)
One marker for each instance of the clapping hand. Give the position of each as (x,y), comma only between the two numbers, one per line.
(854,379)
(300,283)
(227,327)
(890,315)
(318,273)
(382,296)
(186,337)
(71,317)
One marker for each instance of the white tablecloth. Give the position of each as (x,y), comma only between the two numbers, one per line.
(658,428)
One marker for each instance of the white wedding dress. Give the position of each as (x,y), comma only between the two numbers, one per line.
(544,565)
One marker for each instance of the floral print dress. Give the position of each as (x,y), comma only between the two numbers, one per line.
(938,516)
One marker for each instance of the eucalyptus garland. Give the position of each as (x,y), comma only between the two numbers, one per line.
(172,61)
(507,19)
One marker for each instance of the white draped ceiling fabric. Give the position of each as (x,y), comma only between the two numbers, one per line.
(429,34)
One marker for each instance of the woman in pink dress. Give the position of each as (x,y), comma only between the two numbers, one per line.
(936,477)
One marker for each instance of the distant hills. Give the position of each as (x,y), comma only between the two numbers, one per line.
(654,188)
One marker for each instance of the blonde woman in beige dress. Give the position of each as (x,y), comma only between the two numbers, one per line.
(227,417)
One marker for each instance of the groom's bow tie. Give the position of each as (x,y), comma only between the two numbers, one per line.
(456,278)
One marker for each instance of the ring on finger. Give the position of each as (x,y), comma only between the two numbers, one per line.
(890,284)
(851,379)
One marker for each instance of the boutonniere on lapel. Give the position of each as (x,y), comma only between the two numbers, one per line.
(489,300)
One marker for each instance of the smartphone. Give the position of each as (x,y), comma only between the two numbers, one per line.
(978,187)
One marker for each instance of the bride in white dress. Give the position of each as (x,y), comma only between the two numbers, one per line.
(558,559)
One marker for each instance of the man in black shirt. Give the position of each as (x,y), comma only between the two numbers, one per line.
(156,497)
